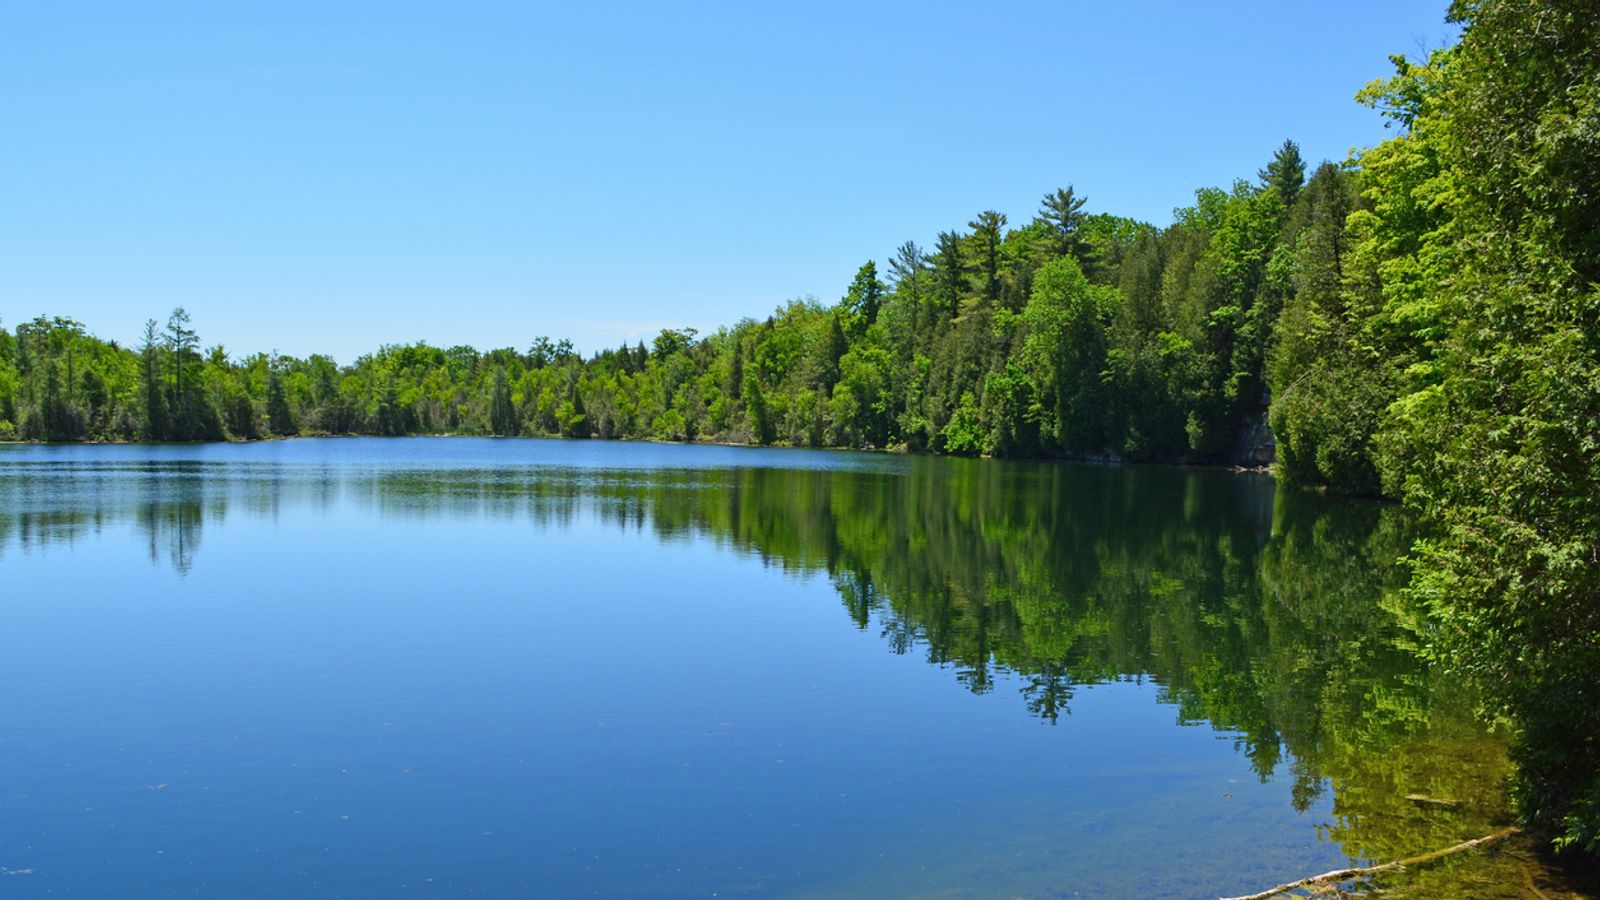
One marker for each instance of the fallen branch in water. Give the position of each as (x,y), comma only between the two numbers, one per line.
(1527,878)
(1338,875)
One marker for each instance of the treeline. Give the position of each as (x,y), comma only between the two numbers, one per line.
(1421,321)
(1002,341)
(1073,335)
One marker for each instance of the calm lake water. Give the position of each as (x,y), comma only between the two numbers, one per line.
(447,667)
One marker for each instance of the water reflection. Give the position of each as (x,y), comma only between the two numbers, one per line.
(1271,615)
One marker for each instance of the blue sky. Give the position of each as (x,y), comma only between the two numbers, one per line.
(329,177)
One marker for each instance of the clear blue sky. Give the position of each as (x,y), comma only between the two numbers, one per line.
(329,177)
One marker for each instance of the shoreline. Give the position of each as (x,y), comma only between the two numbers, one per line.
(1268,469)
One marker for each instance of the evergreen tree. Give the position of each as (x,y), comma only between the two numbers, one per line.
(156,425)
(908,263)
(758,414)
(243,422)
(280,420)
(191,415)
(502,412)
(1286,172)
(1062,211)
(983,263)
(862,301)
(1329,393)
(838,344)
(949,273)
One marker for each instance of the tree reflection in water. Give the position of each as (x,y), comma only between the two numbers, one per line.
(1274,616)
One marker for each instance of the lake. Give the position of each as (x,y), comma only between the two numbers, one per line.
(449,667)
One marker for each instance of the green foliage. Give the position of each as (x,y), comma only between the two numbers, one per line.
(1440,343)
(1331,386)
(60,383)
(1325,422)
(860,408)
(1064,353)
(1422,321)
(1499,450)
(1286,173)
(982,251)
(502,411)
(280,419)
(861,303)
(963,434)
(1062,210)
(1076,334)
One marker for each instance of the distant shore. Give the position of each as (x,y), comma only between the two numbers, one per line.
(900,450)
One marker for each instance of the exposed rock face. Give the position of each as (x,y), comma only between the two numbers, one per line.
(1257,446)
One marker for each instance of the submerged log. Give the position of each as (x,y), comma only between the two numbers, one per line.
(1425,800)
(1338,875)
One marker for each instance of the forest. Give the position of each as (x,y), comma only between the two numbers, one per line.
(1419,322)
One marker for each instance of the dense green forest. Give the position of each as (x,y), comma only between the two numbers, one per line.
(1421,321)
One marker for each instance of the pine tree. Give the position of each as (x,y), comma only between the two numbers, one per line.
(156,425)
(1286,172)
(191,415)
(949,278)
(988,231)
(909,261)
(1063,212)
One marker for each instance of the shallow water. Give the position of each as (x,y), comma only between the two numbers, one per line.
(369,667)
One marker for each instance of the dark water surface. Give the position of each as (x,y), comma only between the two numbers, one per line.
(446,667)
